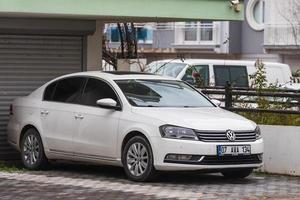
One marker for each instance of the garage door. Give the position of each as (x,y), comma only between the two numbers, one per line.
(27,62)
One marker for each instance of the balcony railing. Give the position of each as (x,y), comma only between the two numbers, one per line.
(282,36)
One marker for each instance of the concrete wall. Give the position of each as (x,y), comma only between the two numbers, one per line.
(94,48)
(252,41)
(281,149)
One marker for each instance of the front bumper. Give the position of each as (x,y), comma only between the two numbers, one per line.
(164,146)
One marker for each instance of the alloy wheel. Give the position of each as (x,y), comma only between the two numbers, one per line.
(137,159)
(31,149)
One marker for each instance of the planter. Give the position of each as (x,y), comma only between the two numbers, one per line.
(131,64)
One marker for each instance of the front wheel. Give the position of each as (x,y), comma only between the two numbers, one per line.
(137,159)
(32,150)
(236,173)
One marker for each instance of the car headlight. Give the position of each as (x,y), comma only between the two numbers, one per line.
(257,133)
(174,132)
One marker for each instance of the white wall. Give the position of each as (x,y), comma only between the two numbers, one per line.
(281,149)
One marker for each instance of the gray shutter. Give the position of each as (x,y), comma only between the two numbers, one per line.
(27,62)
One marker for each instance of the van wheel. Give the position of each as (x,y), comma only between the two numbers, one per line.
(137,159)
(236,173)
(32,151)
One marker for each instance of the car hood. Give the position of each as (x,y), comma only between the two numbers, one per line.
(197,118)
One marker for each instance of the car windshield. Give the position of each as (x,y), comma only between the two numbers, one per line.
(161,93)
(169,69)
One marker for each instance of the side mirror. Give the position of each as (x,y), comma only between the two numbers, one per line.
(216,102)
(108,103)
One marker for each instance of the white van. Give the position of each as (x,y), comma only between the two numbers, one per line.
(218,72)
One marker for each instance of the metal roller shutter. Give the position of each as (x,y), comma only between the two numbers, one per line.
(27,62)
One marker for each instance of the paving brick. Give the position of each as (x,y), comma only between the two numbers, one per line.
(90,182)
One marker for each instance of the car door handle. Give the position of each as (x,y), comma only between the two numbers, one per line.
(78,116)
(44,112)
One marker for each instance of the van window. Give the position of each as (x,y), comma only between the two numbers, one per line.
(170,69)
(199,74)
(236,75)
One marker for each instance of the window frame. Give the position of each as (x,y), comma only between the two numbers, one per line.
(199,26)
(250,16)
(228,67)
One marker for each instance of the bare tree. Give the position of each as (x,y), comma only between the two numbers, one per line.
(292,16)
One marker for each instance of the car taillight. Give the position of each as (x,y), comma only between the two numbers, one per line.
(11,109)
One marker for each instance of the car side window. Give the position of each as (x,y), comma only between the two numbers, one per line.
(69,90)
(48,94)
(96,89)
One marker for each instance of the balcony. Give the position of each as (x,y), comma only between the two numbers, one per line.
(282,38)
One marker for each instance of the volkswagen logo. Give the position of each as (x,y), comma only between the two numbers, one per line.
(230,135)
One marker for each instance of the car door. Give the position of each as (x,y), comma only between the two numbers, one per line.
(58,116)
(97,134)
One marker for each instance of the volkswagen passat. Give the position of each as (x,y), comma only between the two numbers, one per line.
(143,122)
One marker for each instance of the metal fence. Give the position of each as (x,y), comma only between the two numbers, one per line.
(233,96)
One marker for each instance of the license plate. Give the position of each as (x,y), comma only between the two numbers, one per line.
(233,150)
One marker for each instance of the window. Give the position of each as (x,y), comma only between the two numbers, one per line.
(199,74)
(169,69)
(114,34)
(236,75)
(144,34)
(198,31)
(190,31)
(161,93)
(48,94)
(69,90)
(255,14)
(206,31)
(95,90)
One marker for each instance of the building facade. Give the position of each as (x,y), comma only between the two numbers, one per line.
(270,31)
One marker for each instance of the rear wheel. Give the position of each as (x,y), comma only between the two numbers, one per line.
(236,173)
(137,159)
(32,150)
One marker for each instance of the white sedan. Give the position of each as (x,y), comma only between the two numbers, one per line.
(143,122)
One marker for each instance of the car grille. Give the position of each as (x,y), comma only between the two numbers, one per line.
(231,160)
(241,136)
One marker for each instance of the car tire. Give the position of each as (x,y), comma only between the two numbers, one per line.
(32,151)
(137,159)
(237,173)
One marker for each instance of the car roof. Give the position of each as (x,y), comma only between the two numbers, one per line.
(120,75)
(215,61)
